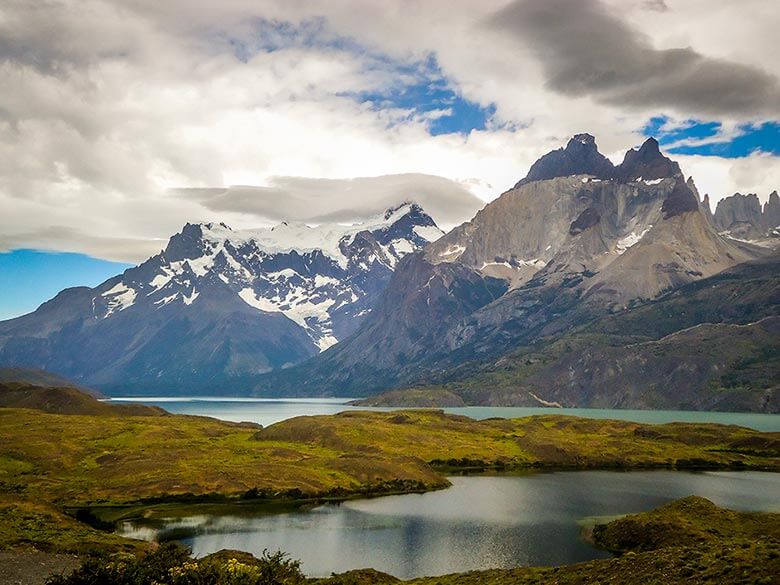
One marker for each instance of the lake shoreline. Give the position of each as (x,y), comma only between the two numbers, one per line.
(106,516)
(267,411)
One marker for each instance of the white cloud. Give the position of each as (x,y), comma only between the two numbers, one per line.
(758,173)
(114,104)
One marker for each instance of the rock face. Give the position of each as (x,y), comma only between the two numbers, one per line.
(772,211)
(576,239)
(217,304)
(580,157)
(742,217)
(646,164)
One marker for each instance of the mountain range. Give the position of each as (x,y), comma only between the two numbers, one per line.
(586,284)
(218,304)
(576,241)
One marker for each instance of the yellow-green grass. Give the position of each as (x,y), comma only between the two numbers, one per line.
(450,441)
(78,460)
(85,460)
(39,526)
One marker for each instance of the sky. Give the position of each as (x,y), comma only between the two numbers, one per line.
(121,120)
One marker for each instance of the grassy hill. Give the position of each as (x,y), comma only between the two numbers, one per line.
(38,377)
(109,467)
(80,460)
(66,400)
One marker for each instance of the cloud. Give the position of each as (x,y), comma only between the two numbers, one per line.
(657,5)
(585,49)
(342,200)
(121,120)
(757,173)
(57,238)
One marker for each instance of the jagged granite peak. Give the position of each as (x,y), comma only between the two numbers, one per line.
(706,209)
(738,208)
(742,217)
(581,156)
(647,163)
(772,211)
(680,200)
(219,302)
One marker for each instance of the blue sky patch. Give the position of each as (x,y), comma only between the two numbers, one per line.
(419,86)
(428,94)
(751,137)
(445,111)
(30,277)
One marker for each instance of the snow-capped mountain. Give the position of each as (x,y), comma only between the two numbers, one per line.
(323,278)
(218,302)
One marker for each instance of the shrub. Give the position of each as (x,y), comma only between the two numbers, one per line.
(171,564)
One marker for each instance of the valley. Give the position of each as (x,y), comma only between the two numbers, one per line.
(110,467)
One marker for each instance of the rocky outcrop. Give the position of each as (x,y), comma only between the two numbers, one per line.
(742,217)
(771,212)
(646,164)
(580,157)
(680,200)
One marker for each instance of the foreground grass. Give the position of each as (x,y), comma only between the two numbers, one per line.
(36,526)
(102,463)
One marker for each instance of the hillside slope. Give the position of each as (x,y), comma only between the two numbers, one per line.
(710,345)
(66,400)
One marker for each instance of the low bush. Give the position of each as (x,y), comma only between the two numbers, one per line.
(171,564)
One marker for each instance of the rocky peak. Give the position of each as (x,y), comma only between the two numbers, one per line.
(186,244)
(738,208)
(772,211)
(580,157)
(706,209)
(680,200)
(743,217)
(647,163)
(413,208)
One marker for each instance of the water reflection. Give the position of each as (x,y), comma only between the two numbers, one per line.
(481,522)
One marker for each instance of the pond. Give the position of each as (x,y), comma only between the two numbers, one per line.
(480,522)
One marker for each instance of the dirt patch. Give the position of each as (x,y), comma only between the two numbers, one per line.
(32,567)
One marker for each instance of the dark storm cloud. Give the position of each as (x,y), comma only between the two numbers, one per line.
(585,50)
(657,5)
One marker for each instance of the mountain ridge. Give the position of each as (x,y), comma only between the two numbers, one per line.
(216,303)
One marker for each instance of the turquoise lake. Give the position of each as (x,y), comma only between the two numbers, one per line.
(266,411)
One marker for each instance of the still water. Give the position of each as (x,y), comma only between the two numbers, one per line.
(480,522)
(267,411)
